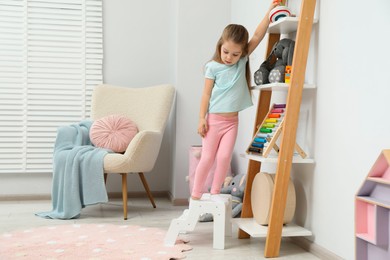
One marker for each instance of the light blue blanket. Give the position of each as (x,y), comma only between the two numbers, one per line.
(77,172)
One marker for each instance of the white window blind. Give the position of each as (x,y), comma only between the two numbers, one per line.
(51,57)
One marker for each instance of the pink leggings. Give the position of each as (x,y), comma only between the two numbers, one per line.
(217,145)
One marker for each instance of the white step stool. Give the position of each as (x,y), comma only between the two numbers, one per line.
(220,206)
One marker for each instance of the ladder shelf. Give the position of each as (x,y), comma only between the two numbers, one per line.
(302,25)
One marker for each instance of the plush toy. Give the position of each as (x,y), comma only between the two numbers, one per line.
(272,70)
(235,188)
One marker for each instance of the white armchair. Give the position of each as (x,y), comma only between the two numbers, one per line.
(149,108)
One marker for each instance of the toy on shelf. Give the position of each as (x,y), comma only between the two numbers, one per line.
(269,131)
(273,68)
(287,74)
(279,12)
(261,198)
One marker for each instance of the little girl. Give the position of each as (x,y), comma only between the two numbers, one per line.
(226,92)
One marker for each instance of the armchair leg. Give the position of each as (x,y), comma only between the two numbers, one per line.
(124,194)
(146,186)
(105,178)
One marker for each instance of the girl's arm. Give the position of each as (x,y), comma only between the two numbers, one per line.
(204,106)
(261,29)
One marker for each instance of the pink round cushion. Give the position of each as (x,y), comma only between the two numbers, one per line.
(113,132)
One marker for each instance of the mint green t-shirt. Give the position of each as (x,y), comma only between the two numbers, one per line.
(230,92)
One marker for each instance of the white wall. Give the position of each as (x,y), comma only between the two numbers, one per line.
(138,49)
(199,26)
(138,42)
(352,81)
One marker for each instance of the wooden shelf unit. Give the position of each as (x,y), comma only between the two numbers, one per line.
(286,25)
(275,230)
(280,87)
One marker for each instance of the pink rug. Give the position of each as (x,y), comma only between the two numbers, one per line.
(89,241)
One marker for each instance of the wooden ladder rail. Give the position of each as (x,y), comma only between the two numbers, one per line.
(288,137)
(263,104)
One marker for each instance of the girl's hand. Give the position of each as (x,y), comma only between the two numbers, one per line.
(274,4)
(202,127)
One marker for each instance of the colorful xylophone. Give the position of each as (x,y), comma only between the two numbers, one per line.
(268,131)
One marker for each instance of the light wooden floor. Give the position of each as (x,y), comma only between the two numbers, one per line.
(20,215)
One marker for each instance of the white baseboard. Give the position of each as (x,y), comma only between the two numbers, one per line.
(22,197)
(139,194)
(317,250)
(111,195)
(180,202)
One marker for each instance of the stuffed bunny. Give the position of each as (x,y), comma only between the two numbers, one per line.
(235,188)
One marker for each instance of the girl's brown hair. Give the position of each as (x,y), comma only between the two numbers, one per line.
(239,35)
